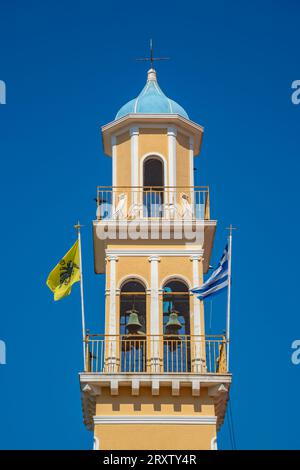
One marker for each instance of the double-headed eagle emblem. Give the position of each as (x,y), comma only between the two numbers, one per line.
(66,271)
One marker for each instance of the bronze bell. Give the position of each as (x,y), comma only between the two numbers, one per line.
(133,325)
(135,337)
(173,326)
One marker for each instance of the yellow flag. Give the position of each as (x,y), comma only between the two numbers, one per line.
(65,273)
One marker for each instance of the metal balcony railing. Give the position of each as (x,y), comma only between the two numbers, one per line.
(155,354)
(124,202)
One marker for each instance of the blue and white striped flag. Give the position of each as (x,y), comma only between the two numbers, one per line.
(217,281)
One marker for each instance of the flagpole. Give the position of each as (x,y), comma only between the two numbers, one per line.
(78,226)
(230,228)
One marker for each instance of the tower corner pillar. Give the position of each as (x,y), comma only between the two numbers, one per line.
(154,315)
(111,359)
(198,337)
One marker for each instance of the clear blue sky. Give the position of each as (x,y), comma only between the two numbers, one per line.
(68,67)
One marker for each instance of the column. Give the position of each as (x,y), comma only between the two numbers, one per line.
(134,138)
(113,200)
(112,343)
(193,195)
(172,133)
(114,160)
(191,155)
(154,316)
(198,350)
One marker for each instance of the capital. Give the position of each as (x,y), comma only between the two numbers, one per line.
(154,258)
(172,131)
(134,131)
(196,258)
(112,258)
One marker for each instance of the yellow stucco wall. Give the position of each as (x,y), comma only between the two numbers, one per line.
(154,436)
(169,266)
(175,266)
(152,141)
(182,161)
(132,265)
(147,404)
(123,157)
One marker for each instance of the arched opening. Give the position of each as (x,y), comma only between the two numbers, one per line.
(176,327)
(133,324)
(153,184)
(153,173)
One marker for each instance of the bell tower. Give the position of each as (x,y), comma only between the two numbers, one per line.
(153,379)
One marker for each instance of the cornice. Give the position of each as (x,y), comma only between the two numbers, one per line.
(153,419)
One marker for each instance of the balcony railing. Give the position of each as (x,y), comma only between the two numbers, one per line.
(155,354)
(188,203)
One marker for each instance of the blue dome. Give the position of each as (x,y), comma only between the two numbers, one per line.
(151,100)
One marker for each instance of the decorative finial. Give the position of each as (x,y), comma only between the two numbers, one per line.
(151,75)
(78,226)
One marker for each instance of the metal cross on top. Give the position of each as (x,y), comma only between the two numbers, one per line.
(231,228)
(151,58)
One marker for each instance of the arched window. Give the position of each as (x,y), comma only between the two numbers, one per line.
(133,326)
(176,327)
(176,297)
(153,184)
(153,173)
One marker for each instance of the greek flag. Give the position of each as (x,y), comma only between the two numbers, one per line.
(217,281)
